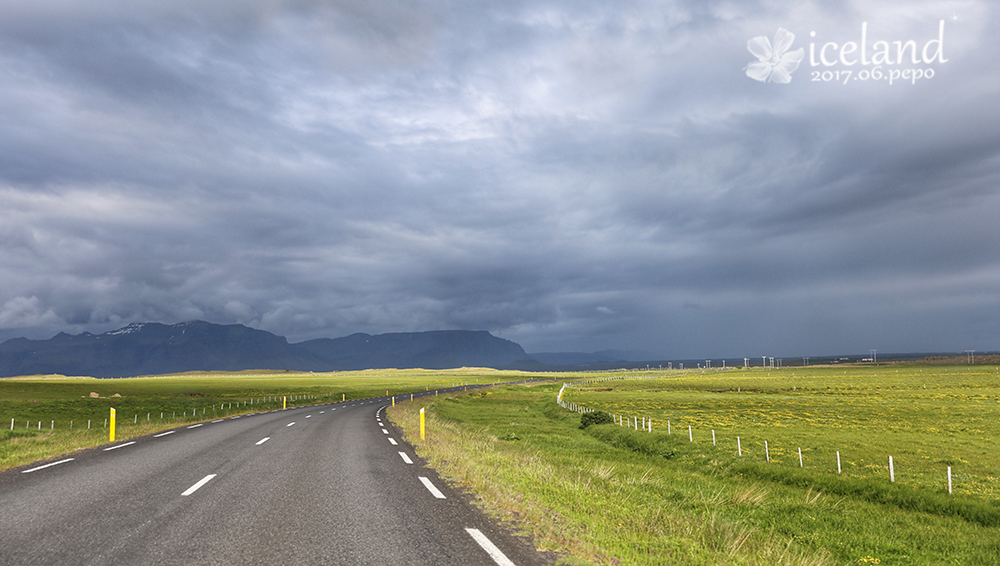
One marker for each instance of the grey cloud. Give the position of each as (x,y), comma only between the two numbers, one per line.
(572,176)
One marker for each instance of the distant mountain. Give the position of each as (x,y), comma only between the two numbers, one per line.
(432,350)
(152,348)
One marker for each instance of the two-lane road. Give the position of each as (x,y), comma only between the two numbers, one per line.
(330,484)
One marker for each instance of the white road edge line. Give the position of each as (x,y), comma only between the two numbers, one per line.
(119,446)
(200,483)
(490,548)
(393,441)
(405,458)
(196,425)
(430,487)
(263,440)
(47,465)
(164,433)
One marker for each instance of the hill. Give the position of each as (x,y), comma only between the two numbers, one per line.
(153,348)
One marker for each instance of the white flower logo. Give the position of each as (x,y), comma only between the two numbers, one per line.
(776,64)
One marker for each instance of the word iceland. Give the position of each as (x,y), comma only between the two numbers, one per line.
(862,60)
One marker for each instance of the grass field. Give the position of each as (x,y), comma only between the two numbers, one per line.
(611,495)
(926,417)
(37,413)
(607,494)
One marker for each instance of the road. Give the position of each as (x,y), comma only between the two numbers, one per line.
(331,484)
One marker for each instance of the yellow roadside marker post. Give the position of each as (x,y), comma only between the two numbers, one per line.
(343,396)
(111,431)
(422,429)
(393,400)
(284,402)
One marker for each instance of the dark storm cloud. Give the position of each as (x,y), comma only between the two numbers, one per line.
(572,176)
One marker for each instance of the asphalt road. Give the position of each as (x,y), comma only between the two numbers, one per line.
(331,484)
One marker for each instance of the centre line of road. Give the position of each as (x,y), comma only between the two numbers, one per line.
(405,458)
(290,424)
(198,485)
(263,440)
(499,557)
(164,433)
(196,425)
(430,487)
(119,446)
(47,465)
(393,441)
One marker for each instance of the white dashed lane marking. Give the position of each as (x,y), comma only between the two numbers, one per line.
(393,441)
(196,425)
(198,485)
(119,446)
(405,458)
(164,433)
(263,440)
(290,424)
(42,467)
(499,557)
(430,487)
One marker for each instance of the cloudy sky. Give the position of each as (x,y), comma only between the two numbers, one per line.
(570,175)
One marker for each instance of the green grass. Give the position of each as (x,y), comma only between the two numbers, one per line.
(44,409)
(610,495)
(926,417)
(605,494)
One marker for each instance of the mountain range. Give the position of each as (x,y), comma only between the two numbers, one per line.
(153,348)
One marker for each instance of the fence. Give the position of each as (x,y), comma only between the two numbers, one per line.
(647,426)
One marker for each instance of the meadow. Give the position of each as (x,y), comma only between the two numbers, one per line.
(927,418)
(611,494)
(607,494)
(48,416)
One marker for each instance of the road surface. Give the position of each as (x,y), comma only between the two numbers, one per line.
(330,484)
